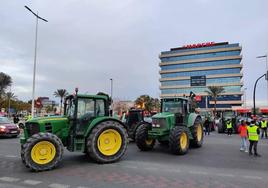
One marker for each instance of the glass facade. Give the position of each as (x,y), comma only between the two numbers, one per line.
(179,63)
(202,64)
(200,56)
(209,81)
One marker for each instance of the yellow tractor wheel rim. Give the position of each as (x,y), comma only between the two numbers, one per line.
(183,140)
(109,142)
(43,152)
(149,141)
(199,132)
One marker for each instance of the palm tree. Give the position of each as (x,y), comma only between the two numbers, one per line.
(214,92)
(60,93)
(147,103)
(10,96)
(5,81)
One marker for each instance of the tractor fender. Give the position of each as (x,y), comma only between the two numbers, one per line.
(191,119)
(98,120)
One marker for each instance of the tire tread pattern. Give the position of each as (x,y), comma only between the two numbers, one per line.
(141,137)
(27,148)
(194,142)
(174,140)
(92,149)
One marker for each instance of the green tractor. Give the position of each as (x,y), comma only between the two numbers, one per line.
(228,115)
(85,127)
(177,125)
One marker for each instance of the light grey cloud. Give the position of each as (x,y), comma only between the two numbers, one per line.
(85,43)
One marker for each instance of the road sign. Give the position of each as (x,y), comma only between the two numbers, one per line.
(198,80)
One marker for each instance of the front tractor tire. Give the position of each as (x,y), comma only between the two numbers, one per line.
(197,133)
(142,141)
(107,142)
(179,140)
(42,151)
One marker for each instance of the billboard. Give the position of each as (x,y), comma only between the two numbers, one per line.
(198,80)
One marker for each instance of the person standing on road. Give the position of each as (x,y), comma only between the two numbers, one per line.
(207,127)
(253,137)
(243,134)
(263,128)
(229,127)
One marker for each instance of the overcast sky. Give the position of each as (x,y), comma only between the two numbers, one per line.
(87,42)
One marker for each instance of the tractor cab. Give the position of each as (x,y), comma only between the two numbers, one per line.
(177,106)
(81,110)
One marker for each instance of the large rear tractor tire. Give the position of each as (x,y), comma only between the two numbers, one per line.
(22,155)
(197,133)
(43,151)
(179,140)
(142,141)
(107,142)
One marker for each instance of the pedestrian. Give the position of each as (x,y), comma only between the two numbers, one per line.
(242,129)
(253,137)
(207,127)
(263,128)
(229,127)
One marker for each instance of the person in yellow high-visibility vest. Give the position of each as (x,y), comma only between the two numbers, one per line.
(263,128)
(29,117)
(253,137)
(229,127)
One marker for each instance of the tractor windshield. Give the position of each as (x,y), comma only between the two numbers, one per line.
(172,105)
(70,107)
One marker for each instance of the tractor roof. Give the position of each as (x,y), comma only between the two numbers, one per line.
(89,96)
(92,96)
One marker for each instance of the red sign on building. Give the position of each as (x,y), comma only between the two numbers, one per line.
(199,45)
(198,98)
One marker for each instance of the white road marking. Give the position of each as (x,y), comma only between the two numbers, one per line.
(198,172)
(11,156)
(55,185)
(32,182)
(130,166)
(172,170)
(252,177)
(9,179)
(225,175)
(150,168)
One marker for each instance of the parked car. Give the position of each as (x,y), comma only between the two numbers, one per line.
(7,128)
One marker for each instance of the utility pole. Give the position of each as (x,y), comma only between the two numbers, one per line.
(111,112)
(254,107)
(35,52)
(265,56)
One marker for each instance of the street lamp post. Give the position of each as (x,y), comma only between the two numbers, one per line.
(9,95)
(254,91)
(245,98)
(35,51)
(265,56)
(111,96)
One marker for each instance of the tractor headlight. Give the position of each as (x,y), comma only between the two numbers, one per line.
(157,125)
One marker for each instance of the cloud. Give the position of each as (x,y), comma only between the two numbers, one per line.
(86,43)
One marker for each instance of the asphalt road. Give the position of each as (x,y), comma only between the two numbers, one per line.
(218,164)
